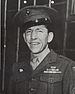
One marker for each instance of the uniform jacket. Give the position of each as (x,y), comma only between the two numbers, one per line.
(54,75)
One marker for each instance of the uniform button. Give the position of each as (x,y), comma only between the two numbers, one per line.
(33,79)
(32,89)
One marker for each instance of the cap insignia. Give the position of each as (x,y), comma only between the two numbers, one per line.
(27,12)
(36,20)
(45,19)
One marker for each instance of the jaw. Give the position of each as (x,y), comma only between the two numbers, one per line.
(37,50)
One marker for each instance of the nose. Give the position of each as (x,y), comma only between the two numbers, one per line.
(34,35)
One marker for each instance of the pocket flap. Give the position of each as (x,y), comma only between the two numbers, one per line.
(50,77)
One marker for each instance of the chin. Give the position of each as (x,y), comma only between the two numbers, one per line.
(35,52)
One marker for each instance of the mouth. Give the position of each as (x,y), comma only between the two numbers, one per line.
(34,43)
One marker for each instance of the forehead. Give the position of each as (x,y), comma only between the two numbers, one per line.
(37,27)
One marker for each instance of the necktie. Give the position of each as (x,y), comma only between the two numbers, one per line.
(34,63)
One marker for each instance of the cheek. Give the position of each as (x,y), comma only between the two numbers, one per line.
(44,40)
(28,38)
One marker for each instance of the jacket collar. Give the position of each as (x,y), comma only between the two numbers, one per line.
(50,58)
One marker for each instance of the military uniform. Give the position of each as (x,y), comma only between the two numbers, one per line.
(55,74)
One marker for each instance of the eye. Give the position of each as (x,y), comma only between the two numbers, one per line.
(40,31)
(28,31)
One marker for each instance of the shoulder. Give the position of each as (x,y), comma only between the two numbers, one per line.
(61,58)
(69,63)
(65,59)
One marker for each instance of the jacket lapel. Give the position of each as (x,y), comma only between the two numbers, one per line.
(51,57)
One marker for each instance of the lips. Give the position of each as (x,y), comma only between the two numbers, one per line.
(34,43)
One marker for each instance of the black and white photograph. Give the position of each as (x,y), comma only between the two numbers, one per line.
(37,46)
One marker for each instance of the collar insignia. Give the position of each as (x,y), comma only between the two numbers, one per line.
(20,70)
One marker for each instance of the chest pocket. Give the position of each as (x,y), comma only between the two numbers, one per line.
(54,82)
(51,77)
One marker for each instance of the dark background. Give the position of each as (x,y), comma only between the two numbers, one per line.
(65,29)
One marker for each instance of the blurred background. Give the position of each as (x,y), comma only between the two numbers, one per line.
(13,48)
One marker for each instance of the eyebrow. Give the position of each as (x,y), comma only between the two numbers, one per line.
(29,29)
(35,29)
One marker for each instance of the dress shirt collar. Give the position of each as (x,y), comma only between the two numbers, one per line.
(41,55)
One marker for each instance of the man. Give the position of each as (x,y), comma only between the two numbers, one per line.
(45,72)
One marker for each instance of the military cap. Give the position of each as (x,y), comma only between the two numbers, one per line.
(35,15)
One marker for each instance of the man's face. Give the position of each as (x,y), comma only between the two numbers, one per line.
(37,38)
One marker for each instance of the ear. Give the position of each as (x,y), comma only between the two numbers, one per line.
(50,37)
(24,36)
